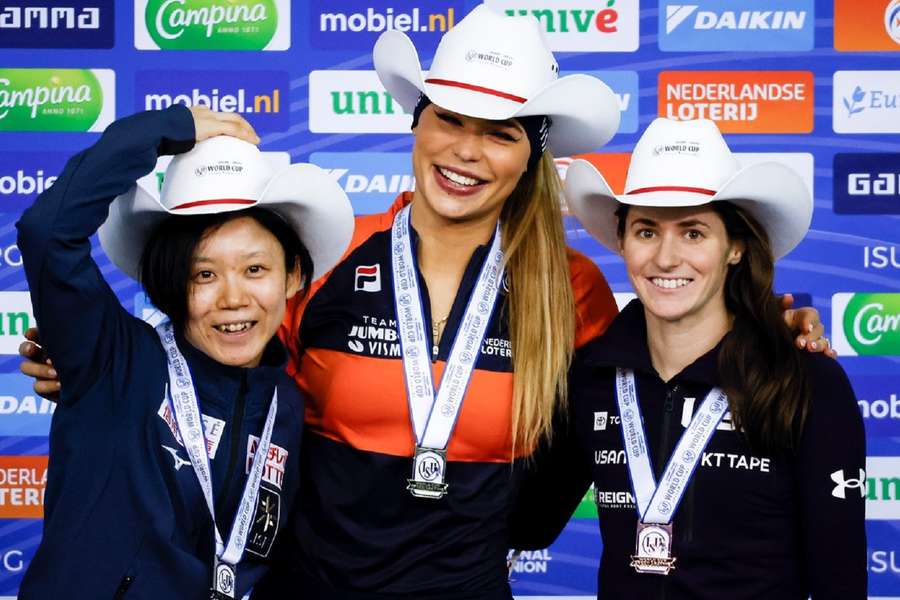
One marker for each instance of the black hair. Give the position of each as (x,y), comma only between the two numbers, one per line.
(166,261)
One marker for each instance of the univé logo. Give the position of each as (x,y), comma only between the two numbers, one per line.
(716,25)
(883,488)
(212,24)
(63,24)
(56,99)
(353,102)
(577,25)
(15,318)
(866,324)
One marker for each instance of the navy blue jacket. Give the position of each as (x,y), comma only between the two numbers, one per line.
(125,516)
(779,527)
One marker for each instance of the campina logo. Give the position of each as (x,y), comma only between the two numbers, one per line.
(345,24)
(24,175)
(56,99)
(882,488)
(751,25)
(868,26)
(866,102)
(866,324)
(65,24)
(740,101)
(353,102)
(260,96)
(373,180)
(866,183)
(212,24)
(580,25)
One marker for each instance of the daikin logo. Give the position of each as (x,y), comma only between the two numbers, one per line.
(715,25)
(56,99)
(212,24)
(866,324)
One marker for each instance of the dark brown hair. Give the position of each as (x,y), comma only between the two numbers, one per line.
(758,366)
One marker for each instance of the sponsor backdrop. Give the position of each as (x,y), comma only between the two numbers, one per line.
(812,83)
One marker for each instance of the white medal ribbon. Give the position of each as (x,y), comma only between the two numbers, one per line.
(657,503)
(186,409)
(433,428)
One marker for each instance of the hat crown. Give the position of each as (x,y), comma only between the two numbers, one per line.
(680,155)
(217,172)
(498,52)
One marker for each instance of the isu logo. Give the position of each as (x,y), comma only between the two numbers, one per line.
(368,279)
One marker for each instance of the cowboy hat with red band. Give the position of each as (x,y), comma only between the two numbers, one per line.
(688,163)
(224,174)
(491,66)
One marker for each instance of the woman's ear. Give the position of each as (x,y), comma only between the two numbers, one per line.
(294,281)
(736,252)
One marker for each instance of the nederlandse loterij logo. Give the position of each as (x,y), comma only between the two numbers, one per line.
(758,25)
(866,324)
(212,24)
(65,24)
(56,99)
(580,26)
(353,102)
(866,102)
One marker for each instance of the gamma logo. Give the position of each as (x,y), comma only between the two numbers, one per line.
(866,184)
(579,25)
(866,102)
(212,24)
(65,24)
(715,25)
(56,99)
(260,96)
(866,324)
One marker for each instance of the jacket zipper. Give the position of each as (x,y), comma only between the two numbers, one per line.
(237,421)
(662,455)
(123,587)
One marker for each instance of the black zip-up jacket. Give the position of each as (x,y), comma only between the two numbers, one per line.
(125,516)
(783,527)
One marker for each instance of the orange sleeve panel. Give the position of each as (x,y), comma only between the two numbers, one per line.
(595,305)
(361,401)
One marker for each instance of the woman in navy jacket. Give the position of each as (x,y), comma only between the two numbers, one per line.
(126,514)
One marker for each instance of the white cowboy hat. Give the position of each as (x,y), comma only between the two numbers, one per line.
(491,66)
(688,163)
(224,174)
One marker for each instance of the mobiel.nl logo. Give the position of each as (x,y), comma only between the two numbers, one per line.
(866,324)
(349,24)
(57,24)
(56,99)
(866,102)
(757,25)
(212,24)
(24,175)
(579,25)
(260,96)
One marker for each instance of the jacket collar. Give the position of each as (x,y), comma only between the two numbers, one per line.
(625,345)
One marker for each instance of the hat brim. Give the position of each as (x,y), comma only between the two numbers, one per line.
(771,192)
(584,110)
(308,198)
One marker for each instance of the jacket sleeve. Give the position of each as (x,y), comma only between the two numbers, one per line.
(552,483)
(80,318)
(830,464)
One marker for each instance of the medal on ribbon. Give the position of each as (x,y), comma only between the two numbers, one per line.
(434,415)
(657,503)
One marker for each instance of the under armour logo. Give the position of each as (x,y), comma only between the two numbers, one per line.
(840,490)
(179,462)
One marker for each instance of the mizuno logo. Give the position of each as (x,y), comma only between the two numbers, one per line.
(676,15)
(840,490)
(179,462)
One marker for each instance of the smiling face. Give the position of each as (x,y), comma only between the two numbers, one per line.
(237,292)
(466,168)
(678,260)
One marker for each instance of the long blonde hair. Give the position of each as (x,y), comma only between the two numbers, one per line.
(540,302)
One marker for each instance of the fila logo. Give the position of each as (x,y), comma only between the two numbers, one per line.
(676,14)
(687,413)
(368,279)
(840,490)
